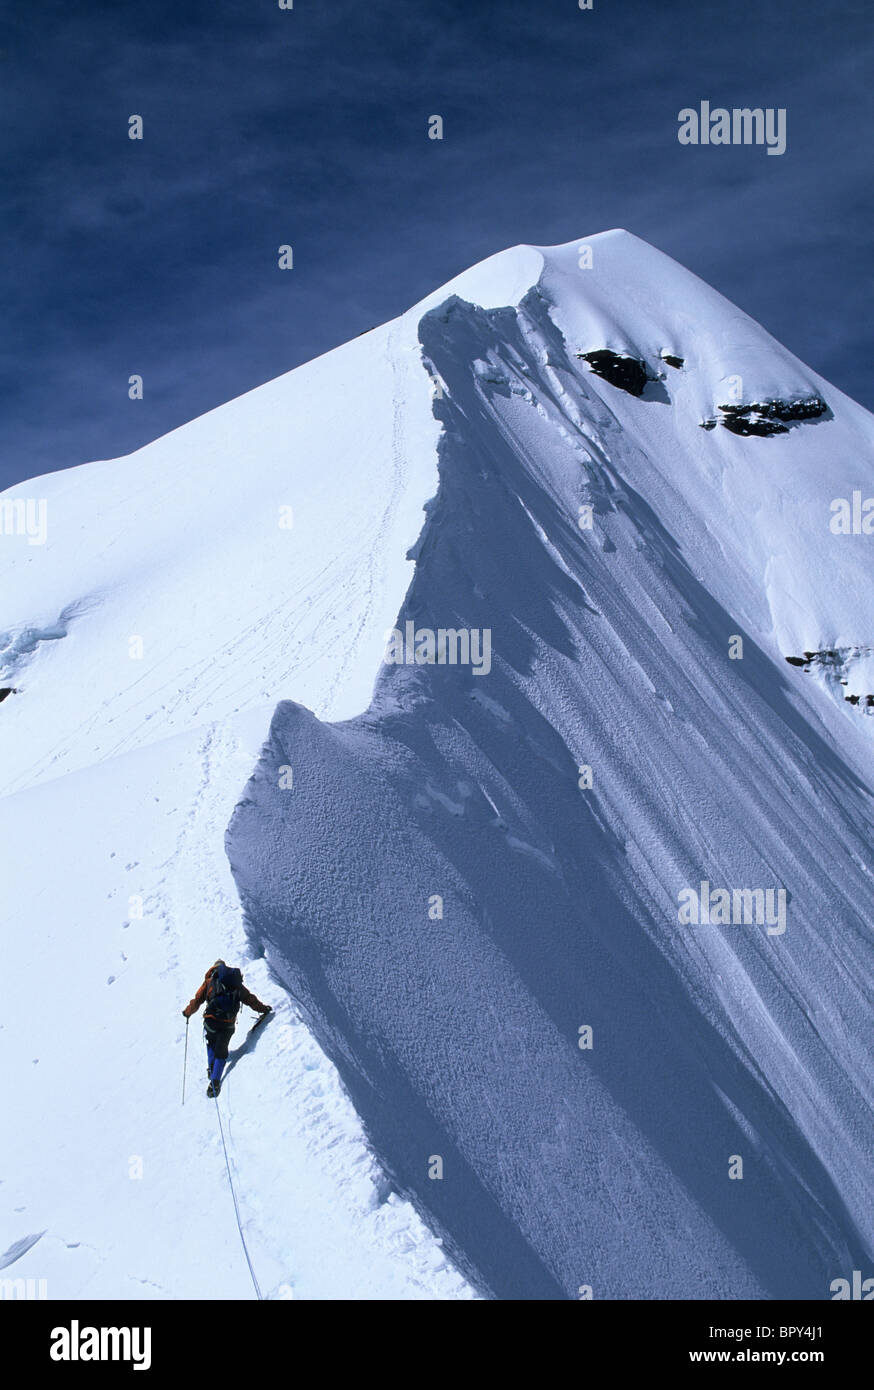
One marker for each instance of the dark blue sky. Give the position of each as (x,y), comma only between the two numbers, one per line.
(309,126)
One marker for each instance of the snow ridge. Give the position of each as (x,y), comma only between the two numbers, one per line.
(459,1038)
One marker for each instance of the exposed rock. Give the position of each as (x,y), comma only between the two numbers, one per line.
(672,360)
(739,421)
(808,408)
(832,662)
(620,369)
(766,417)
(7,690)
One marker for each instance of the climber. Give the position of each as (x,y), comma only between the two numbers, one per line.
(223,992)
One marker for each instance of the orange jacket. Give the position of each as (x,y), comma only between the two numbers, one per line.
(245,998)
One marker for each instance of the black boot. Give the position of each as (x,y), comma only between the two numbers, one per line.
(213,1088)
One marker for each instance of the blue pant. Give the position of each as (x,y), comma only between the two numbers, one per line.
(216,1064)
(217,1040)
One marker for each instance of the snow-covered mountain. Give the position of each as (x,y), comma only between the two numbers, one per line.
(516,1067)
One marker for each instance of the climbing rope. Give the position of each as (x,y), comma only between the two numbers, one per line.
(236,1206)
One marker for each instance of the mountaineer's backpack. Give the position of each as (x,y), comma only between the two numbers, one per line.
(223,993)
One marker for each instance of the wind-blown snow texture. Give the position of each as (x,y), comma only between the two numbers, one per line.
(458,1037)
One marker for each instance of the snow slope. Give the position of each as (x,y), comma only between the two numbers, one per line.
(121,765)
(148,641)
